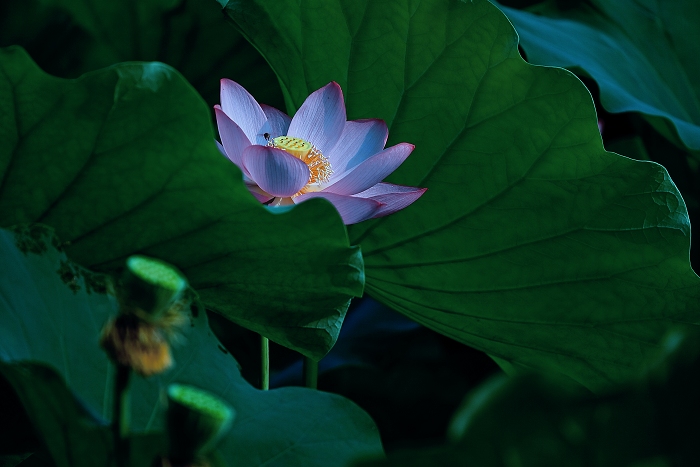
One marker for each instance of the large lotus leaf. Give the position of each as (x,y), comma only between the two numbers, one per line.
(642,53)
(52,311)
(532,242)
(123,160)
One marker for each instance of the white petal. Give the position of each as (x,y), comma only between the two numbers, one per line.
(278,120)
(244,110)
(393,197)
(278,173)
(321,118)
(232,137)
(360,140)
(351,209)
(371,171)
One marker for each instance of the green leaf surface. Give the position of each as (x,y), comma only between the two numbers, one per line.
(532,242)
(123,160)
(642,53)
(52,312)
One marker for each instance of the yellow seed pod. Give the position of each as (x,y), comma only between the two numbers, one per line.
(294,146)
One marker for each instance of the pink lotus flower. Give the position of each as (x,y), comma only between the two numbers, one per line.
(316,154)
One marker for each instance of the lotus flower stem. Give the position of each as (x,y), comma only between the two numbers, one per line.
(310,373)
(265,363)
(120,417)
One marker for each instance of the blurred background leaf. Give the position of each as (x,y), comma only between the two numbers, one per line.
(53,312)
(642,53)
(536,420)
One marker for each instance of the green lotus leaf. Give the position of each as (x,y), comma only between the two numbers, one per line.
(642,53)
(532,242)
(123,161)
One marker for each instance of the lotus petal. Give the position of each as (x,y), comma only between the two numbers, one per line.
(393,197)
(321,118)
(360,140)
(232,136)
(243,109)
(371,171)
(351,209)
(275,171)
(278,120)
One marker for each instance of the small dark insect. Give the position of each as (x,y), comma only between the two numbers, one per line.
(266,136)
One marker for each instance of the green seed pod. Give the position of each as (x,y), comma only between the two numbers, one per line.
(150,287)
(196,420)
